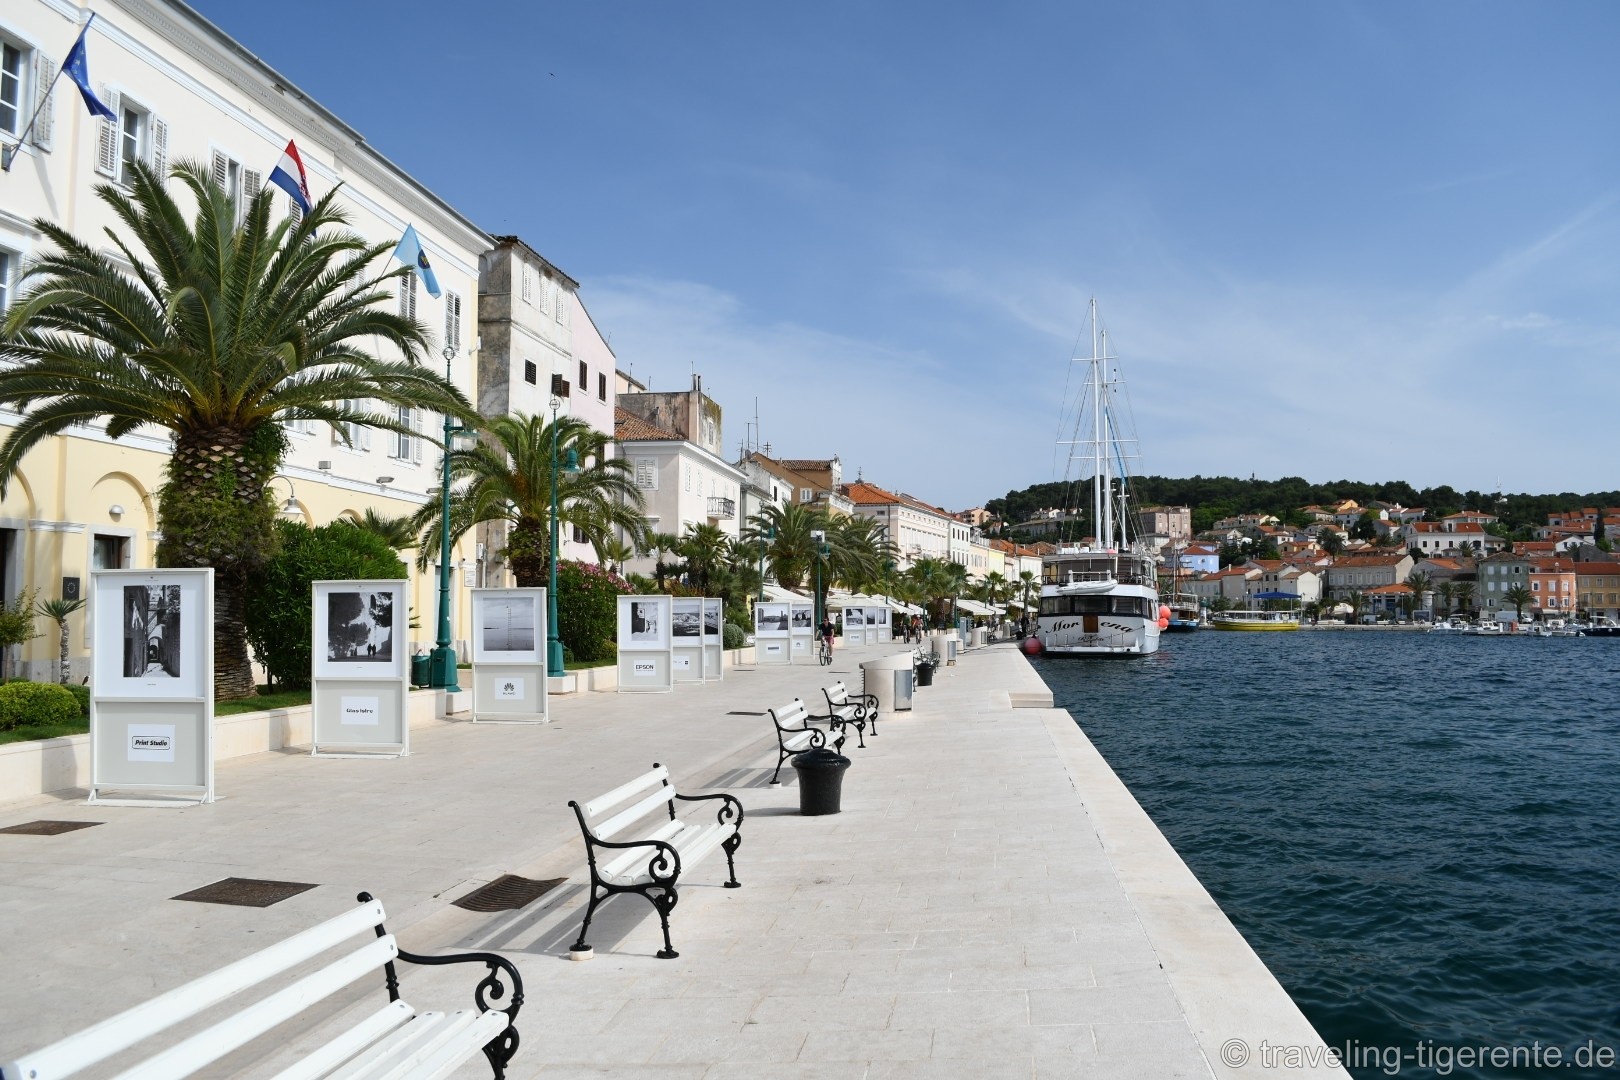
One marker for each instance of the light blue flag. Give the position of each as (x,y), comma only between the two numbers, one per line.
(77,68)
(410,253)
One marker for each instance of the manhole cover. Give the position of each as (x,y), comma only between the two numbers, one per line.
(507,893)
(48,828)
(245,892)
(743,712)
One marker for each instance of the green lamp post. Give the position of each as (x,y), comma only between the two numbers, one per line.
(554,649)
(442,661)
(766,532)
(819,538)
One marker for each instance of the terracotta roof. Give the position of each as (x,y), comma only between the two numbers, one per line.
(1388,590)
(1552,566)
(1592,569)
(628,427)
(863,494)
(1368,560)
(805,464)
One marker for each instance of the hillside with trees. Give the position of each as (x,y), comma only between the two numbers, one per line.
(1214,497)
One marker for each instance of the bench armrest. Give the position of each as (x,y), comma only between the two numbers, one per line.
(730,809)
(665,866)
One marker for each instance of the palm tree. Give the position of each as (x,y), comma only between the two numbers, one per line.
(613,553)
(58,611)
(506,477)
(1447,591)
(1518,596)
(788,550)
(216,332)
(658,545)
(706,550)
(1419,583)
(1464,591)
(397,532)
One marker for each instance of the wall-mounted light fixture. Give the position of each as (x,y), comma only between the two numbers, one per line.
(116,510)
(291,505)
(384,481)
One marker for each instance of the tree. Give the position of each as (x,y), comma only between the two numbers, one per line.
(216,332)
(706,550)
(1447,592)
(613,553)
(660,545)
(1331,540)
(58,611)
(397,532)
(1464,591)
(506,476)
(788,547)
(1518,596)
(1419,583)
(17,623)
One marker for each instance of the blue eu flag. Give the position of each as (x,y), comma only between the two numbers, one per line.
(77,68)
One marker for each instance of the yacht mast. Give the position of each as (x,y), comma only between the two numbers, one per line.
(1105,435)
(1098,499)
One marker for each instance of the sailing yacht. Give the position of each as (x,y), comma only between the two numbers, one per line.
(1101,599)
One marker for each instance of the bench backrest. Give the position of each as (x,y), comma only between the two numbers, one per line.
(790,717)
(609,814)
(97,1043)
(837,693)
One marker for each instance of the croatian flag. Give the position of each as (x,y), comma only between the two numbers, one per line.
(288,175)
(410,253)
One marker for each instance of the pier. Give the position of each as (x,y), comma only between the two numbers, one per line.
(991,902)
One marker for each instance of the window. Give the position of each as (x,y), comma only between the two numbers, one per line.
(579,535)
(107,552)
(353,436)
(531,374)
(806,495)
(403,447)
(686,474)
(452,322)
(240,185)
(584,377)
(6,262)
(601,383)
(12,60)
(26,79)
(528,284)
(545,296)
(647,473)
(407,295)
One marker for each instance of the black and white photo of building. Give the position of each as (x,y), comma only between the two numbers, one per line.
(151,631)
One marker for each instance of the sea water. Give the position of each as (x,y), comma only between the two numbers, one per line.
(1418,833)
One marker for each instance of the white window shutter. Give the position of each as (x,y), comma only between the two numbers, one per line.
(545,295)
(295,213)
(160,147)
(45,100)
(562,307)
(407,295)
(417,416)
(107,136)
(220,166)
(452,321)
(252,181)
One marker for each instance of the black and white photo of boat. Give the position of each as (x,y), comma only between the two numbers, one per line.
(508,626)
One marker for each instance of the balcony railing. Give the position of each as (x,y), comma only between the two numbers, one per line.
(722,507)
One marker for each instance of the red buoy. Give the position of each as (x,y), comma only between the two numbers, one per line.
(1031,646)
(1164,611)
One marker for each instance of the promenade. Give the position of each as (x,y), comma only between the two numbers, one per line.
(991,902)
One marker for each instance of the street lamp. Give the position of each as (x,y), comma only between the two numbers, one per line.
(554,649)
(766,532)
(819,538)
(442,661)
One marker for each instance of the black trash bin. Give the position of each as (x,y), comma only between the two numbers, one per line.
(925,674)
(821,780)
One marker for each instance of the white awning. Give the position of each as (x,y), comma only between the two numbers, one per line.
(973,607)
(777,595)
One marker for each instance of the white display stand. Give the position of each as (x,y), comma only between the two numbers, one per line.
(509,657)
(714,642)
(152,690)
(646,661)
(802,634)
(686,643)
(771,638)
(854,626)
(879,628)
(359,671)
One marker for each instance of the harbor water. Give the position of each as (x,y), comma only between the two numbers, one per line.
(1419,834)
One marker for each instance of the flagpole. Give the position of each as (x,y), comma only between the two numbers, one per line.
(9,154)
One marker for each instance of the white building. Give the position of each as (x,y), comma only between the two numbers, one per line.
(919,531)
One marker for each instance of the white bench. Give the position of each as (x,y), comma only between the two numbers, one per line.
(396,1042)
(795,735)
(652,863)
(859,712)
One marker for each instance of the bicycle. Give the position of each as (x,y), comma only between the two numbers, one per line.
(826,652)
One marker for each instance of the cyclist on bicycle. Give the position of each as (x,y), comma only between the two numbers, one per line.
(825,631)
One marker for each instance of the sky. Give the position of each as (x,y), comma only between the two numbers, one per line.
(1334,239)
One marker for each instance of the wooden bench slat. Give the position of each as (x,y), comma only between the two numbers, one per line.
(364,1034)
(97,1043)
(624,791)
(212,1043)
(449,1057)
(616,824)
(430,1035)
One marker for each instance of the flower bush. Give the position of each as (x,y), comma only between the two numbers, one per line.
(588,609)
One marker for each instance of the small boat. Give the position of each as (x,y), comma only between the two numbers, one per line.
(1602,626)
(1186,613)
(1254,619)
(1454,624)
(1486,628)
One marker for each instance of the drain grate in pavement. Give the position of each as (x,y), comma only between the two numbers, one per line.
(743,712)
(507,893)
(48,828)
(245,892)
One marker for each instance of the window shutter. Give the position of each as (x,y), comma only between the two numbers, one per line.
(562,307)
(407,295)
(107,136)
(220,166)
(160,147)
(545,295)
(417,416)
(646,474)
(44,99)
(452,321)
(295,213)
(252,181)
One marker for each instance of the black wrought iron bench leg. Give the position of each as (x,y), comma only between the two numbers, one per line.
(665,904)
(590,912)
(731,844)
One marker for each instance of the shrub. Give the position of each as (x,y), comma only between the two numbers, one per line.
(588,610)
(29,703)
(278,602)
(82,695)
(733,636)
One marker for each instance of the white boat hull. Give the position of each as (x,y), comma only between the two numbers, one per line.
(1115,635)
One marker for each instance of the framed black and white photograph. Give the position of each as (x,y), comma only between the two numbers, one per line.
(686,620)
(854,618)
(711,619)
(644,623)
(770,620)
(508,626)
(152,628)
(803,619)
(359,628)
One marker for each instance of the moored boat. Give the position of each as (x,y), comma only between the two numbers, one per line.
(1254,619)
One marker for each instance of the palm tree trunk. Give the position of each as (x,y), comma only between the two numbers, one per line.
(527,549)
(63,673)
(213,512)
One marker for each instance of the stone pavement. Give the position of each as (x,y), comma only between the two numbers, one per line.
(990,903)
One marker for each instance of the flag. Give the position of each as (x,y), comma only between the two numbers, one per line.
(77,68)
(288,175)
(410,253)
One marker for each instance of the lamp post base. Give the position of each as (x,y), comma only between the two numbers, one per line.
(442,669)
(554,658)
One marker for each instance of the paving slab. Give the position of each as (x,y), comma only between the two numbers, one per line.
(990,902)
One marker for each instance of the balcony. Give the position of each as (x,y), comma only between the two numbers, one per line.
(721,508)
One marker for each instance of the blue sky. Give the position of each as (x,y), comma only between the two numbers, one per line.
(1329,239)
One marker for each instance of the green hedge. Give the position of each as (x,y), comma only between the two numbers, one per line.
(588,610)
(81,694)
(36,703)
(278,604)
(732,636)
